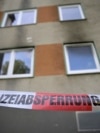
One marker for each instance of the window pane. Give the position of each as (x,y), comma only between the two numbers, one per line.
(81,58)
(12,19)
(71,13)
(4,62)
(22,62)
(27,17)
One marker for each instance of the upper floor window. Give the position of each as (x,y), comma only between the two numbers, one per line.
(81,58)
(19,18)
(16,63)
(71,12)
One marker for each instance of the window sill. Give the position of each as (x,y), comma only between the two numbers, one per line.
(73,20)
(17,76)
(83,72)
(18,25)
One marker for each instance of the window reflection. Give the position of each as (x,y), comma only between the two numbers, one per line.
(4,62)
(22,62)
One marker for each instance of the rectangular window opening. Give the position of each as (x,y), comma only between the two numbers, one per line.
(71,12)
(88,121)
(16,63)
(81,58)
(22,17)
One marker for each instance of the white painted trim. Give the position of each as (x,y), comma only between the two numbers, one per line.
(4,20)
(11,63)
(35,15)
(81,11)
(60,13)
(19,18)
(66,59)
(32,62)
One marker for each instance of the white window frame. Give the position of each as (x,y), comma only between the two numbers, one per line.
(70,6)
(67,61)
(11,64)
(19,18)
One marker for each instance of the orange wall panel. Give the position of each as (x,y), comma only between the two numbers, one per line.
(47,14)
(49,60)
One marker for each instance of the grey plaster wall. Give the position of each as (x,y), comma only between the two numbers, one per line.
(89,84)
(52,32)
(32,3)
(12,5)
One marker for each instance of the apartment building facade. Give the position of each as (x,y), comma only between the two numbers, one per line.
(51,47)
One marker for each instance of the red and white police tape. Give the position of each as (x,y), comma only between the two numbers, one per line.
(50,101)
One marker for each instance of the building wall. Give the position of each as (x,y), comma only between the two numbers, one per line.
(48,36)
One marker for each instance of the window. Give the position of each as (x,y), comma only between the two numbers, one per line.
(19,18)
(88,121)
(81,58)
(70,12)
(16,63)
